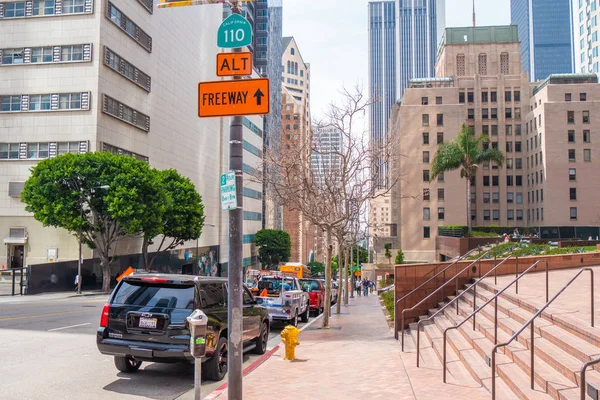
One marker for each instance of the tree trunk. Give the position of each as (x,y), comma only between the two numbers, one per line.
(104,263)
(328,279)
(468,204)
(338,305)
(346,278)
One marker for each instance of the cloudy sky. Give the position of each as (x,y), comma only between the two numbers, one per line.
(332,36)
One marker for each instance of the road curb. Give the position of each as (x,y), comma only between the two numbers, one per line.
(219,391)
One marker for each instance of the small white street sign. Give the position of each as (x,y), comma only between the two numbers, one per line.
(228,191)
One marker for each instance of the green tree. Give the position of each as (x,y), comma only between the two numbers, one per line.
(182,219)
(399,257)
(274,246)
(316,268)
(64,192)
(388,252)
(465,152)
(334,265)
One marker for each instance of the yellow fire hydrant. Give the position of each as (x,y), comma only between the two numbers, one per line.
(289,337)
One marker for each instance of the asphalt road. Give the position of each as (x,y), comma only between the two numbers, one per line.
(51,339)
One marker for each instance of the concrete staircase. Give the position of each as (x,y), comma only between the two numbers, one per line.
(562,344)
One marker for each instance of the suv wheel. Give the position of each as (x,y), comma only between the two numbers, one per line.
(127,364)
(322,308)
(304,315)
(294,320)
(262,339)
(216,366)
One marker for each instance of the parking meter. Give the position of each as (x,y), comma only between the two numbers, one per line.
(197,321)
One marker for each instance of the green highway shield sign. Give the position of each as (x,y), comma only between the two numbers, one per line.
(228,191)
(235,31)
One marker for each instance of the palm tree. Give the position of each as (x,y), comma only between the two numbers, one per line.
(465,152)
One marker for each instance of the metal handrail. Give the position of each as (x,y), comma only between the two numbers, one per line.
(460,258)
(437,290)
(582,380)
(455,300)
(531,321)
(495,298)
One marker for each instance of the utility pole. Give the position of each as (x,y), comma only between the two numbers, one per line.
(235,350)
(473,12)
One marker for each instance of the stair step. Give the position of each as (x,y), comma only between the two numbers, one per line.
(519,383)
(427,356)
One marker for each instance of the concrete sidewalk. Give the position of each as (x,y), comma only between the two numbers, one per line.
(357,358)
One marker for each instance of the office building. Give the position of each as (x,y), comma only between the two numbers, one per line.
(115,86)
(327,152)
(546,36)
(585,19)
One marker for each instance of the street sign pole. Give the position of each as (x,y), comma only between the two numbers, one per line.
(234,305)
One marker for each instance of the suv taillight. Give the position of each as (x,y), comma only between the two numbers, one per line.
(104,317)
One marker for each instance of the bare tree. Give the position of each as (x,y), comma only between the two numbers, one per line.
(325,181)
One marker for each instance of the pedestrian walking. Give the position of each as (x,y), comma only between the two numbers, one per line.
(358,286)
(366,287)
(76,282)
(372,286)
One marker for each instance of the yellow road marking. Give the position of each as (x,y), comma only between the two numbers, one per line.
(46,315)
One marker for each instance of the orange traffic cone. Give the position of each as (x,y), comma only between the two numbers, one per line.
(264,293)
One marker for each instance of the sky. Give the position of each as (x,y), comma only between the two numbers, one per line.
(332,36)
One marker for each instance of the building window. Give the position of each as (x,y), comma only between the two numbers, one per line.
(438,100)
(519,180)
(508,113)
(510,180)
(587,155)
(426,232)
(519,215)
(440,177)
(572,155)
(484,97)
(494,113)
(573,212)
(39,102)
(13,56)
(426,195)
(508,130)
(572,193)
(510,197)
(570,117)
(495,180)
(41,55)
(73,6)
(567,96)
(586,117)
(461,97)
(486,215)
(509,147)
(496,215)
(486,181)
(572,174)
(510,215)
(425,175)
(460,65)
(507,96)
(586,136)
(486,197)
(493,97)
(471,114)
(441,213)
(292,51)
(125,113)
(470,97)
(496,197)
(571,136)
(37,150)
(69,101)
(440,194)
(518,163)
(509,163)
(426,157)
(425,138)
(485,129)
(582,96)
(14,10)
(10,103)
(440,137)
(517,96)
(9,151)
(426,213)
(482,64)
(129,27)
(71,53)
(424,101)
(43,7)
(68,147)
(425,119)
(504,64)
(518,147)
(440,120)
(494,130)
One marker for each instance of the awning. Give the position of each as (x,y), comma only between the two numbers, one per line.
(15,240)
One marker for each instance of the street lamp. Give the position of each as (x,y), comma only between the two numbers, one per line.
(80,260)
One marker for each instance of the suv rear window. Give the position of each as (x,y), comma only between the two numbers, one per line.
(310,284)
(152,295)
(273,285)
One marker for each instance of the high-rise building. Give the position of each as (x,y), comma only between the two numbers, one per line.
(419,28)
(117,87)
(585,19)
(382,73)
(546,36)
(327,149)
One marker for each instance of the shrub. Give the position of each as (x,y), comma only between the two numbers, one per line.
(388,302)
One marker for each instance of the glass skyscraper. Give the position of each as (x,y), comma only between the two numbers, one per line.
(546,36)
(382,70)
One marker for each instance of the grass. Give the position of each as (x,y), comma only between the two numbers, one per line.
(522,249)
(388,302)
(483,234)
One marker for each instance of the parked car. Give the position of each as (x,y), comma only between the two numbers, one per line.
(145,320)
(333,298)
(316,291)
(284,298)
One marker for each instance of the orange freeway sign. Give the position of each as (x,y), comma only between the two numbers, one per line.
(234,64)
(230,98)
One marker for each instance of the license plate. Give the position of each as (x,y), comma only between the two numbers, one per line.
(147,323)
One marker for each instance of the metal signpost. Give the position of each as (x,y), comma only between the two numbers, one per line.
(235,98)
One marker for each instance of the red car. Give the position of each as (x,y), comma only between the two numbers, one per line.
(316,292)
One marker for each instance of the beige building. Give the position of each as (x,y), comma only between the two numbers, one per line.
(99,75)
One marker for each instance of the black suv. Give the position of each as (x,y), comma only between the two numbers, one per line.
(145,320)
